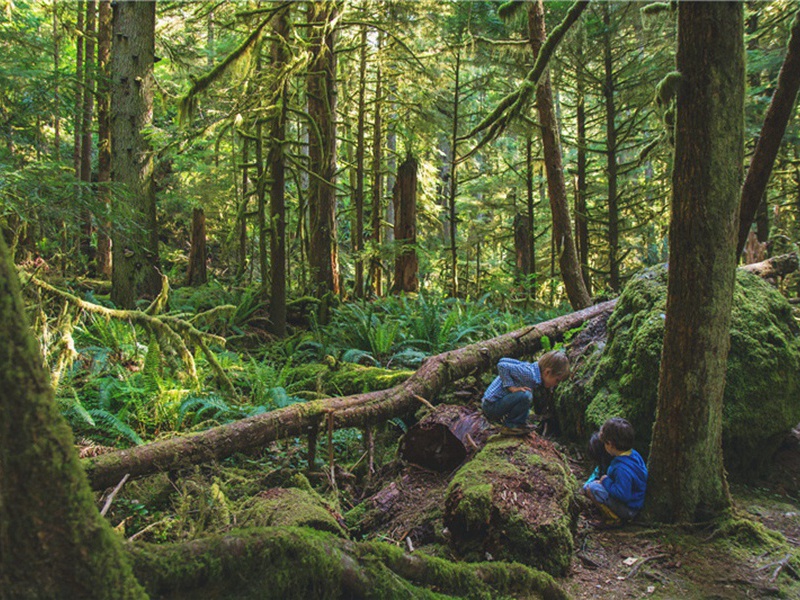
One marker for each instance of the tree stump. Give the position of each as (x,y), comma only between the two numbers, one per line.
(514,501)
(445,438)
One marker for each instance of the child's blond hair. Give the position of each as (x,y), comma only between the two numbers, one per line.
(557,362)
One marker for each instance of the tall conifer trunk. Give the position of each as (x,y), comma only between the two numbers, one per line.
(104,134)
(687,479)
(556,186)
(135,248)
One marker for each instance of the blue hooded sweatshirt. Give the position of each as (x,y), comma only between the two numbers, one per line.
(627,479)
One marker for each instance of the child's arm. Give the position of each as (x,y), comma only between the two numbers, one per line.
(618,483)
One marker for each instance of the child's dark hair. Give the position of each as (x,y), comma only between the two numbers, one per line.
(619,432)
(597,452)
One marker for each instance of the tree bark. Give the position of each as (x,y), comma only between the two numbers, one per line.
(197,253)
(377,184)
(581,209)
(358,196)
(277,201)
(87,227)
(611,153)
(556,187)
(769,141)
(53,542)
(687,480)
(104,135)
(358,410)
(405,195)
(321,89)
(135,249)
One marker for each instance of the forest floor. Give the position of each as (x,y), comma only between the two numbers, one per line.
(730,560)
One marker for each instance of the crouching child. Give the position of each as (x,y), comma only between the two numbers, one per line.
(619,494)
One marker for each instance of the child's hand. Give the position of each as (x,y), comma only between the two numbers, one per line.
(519,389)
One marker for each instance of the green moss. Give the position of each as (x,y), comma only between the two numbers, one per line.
(515,503)
(762,393)
(290,508)
(343,379)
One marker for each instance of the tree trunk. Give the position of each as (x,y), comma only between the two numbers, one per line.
(104,136)
(277,202)
(56,86)
(53,542)
(611,153)
(405,194)
(358,410)
(135,248)
(358,197)
(197,253)
(321,89)
(581,210)
(87,227)
(377,186)
(687,480)
(451,199)
(522,245)
(556,187)
(778,114)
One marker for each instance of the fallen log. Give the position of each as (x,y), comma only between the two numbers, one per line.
(514,501)
(359,410)
(296,562)
(775,267)
(445,438)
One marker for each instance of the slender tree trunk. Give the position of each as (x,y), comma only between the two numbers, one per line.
(261,199)
(377,186)
(611,153)
(405,194)
(687,479)
(530,208)
(557,191)
(135,249)
(358,198)
(56,85)
(778,114)
(277,203)
(197,253)
(321,89)
(53,542)
(241,223)
(87,228)
(77,112)
(104,135)
(451,201)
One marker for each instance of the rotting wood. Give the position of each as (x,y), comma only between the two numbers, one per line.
(357,410)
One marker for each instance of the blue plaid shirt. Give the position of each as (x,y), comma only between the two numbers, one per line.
(512,373)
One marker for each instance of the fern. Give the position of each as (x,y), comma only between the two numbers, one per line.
(113,427)
(198,406)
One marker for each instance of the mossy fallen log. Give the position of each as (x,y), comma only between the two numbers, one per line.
(515,501)
(358,410)
(295,562)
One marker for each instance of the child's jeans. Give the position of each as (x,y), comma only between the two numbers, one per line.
(602,496)
(512,409)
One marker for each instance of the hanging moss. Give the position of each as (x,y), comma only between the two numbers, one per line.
(620,377)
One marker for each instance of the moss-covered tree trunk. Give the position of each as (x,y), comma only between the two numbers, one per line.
(321,89)
(135,248)
(53,541)
(687,480)
(556,186)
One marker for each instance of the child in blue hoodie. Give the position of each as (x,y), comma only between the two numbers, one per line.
(620,492)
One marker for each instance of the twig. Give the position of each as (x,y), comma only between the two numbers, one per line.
(148,528)
(639,564)
(110,498)
(470,441)
(425,402)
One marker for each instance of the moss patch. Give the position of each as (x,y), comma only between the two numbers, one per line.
(620,377)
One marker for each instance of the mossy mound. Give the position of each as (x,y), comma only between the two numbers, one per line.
(619,376)
(515,501)
(291,507)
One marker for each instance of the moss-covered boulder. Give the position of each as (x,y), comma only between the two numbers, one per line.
(617,374)
(515,501)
